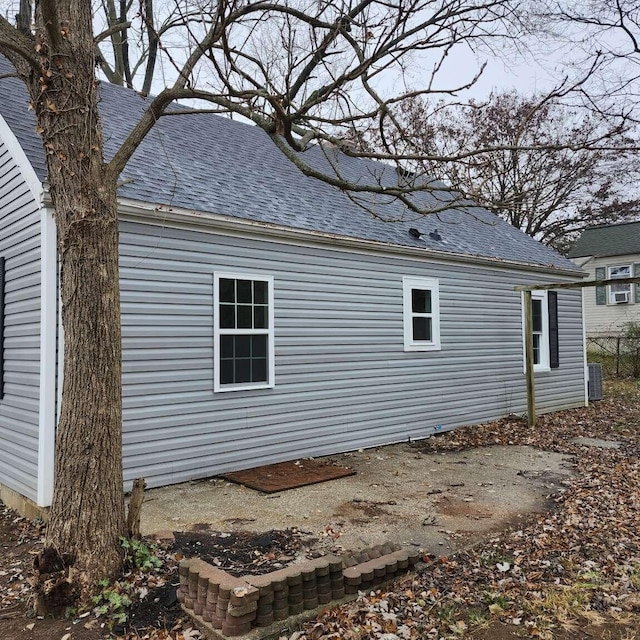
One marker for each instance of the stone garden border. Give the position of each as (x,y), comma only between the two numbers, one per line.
(261,606)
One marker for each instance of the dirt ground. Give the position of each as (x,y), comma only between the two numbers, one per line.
(439,502)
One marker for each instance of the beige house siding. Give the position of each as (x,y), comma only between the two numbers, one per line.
(608,319)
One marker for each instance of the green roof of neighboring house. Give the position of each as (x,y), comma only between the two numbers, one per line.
(608,240)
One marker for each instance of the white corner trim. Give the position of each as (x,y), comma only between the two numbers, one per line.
(21,160)
(59,351)
(584,351)
(48,330)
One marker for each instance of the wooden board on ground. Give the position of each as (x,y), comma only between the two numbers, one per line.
(288,475)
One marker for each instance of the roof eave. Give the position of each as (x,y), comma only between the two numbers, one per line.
(136,210)
(605,255)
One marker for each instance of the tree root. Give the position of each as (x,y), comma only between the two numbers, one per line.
(57,585)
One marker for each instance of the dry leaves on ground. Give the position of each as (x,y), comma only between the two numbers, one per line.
(581,562)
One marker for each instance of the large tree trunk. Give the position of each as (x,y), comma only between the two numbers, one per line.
(87,515)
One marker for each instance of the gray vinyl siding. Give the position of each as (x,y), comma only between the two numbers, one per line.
(343,380)
(20,246)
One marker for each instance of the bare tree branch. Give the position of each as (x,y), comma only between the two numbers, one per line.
(116,28)
(17,46)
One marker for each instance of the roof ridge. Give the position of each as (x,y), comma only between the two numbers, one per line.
(611,226)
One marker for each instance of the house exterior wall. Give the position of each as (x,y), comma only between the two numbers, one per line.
(608,319)
(342,378)
(19,408)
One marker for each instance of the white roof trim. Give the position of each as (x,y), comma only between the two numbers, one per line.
(178,217)
(21,160)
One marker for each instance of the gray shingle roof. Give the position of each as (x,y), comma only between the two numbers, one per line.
(212,164)
(608,240)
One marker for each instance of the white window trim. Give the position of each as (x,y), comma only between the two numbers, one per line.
(217,387)
(544,365)
(610,298)
(432,284)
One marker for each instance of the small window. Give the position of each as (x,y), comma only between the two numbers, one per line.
(537,330)
(243,332)
(421,314)
(540,330)
(620,293)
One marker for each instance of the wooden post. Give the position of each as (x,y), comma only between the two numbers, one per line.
(135,507)
(528,359)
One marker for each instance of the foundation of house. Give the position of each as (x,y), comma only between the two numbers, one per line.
(22,505)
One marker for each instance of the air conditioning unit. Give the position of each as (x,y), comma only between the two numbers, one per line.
(621,297)
(595,381)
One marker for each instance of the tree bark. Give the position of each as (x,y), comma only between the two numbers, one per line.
(87,514)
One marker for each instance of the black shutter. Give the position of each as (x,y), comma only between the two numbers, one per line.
(1,328)
(554,351)
(601,292)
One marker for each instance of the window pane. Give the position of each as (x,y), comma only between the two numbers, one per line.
(259,346)
(227,316)
(259,370)
(620,272)
(621,288)
(226,346)
(243,346)
(227,290)
(244,290)
(421,300)
(536,348)
(226,371)
(536,307)
(422,328)
(260,292)
(243,370)
(418,301)
(244,316)
(243,305)
(260,317)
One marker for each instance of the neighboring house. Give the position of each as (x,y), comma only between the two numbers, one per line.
(266,316)
(610,251)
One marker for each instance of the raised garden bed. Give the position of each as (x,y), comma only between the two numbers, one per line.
(227,606)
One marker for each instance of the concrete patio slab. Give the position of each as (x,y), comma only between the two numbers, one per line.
(440,502)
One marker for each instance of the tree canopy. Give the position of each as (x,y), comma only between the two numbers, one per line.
(547,167)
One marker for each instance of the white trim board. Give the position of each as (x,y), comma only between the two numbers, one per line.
(21,160)
(48,331)
(584,350)
(269,332)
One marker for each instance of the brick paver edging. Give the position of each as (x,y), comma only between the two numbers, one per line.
(224,606)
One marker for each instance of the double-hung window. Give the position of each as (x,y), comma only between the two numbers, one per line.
(544,328)
(540,330)
(243,332)
(421,307)
(620,293)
